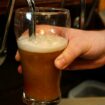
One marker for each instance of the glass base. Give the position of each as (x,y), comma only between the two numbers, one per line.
(30,101)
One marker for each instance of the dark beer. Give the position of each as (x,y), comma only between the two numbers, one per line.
(41,77)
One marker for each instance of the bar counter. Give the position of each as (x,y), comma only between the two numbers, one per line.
(84,101)
(14,97)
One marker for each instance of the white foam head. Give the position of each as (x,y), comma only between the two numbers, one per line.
(42,43)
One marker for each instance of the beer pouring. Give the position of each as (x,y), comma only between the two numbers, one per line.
(31,4)
(3,50)
(40,76)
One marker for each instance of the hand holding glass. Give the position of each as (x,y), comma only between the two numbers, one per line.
(38,52)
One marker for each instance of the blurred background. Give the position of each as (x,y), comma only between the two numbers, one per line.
(11,80)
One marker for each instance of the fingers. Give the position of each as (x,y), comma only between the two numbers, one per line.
(17,56)
(68,56)
(46,29)
(19,69)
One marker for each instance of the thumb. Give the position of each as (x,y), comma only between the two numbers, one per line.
(67,56)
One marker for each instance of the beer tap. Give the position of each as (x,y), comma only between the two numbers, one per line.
(32,26)
(80,20)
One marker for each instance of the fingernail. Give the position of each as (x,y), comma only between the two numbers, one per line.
(17,56)
(60,63)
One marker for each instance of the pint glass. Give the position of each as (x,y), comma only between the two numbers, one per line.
(38,52)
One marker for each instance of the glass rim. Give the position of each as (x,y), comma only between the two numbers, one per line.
(24,10)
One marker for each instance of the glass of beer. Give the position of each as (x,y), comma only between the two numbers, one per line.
(38,52)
